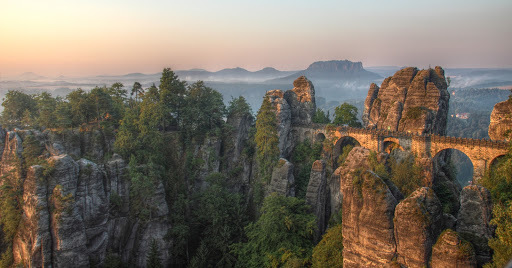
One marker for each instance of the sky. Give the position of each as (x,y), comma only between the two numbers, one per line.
(93,37)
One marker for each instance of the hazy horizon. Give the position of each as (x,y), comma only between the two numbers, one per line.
(80,38)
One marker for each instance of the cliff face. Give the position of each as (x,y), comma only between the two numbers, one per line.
(368,209)
(410,100)
(74,212)
(382,229)
(293,107)
(501,121)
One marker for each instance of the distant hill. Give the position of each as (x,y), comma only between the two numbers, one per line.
(29,76)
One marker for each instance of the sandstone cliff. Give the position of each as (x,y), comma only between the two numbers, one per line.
(382,229)
(501,121)
(76,212)
(293,107)
(451,251)
(410,100)
(368,210)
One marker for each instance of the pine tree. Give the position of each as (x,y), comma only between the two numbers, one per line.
(153,258)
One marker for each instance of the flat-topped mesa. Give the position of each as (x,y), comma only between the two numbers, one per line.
(411,100)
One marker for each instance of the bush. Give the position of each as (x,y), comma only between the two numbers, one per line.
(329,251)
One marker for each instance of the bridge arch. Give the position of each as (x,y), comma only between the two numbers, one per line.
(496,160)
(461,166)
(390,143)
(319,137)
(340,145)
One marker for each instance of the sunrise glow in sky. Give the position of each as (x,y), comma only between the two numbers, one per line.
(91,37)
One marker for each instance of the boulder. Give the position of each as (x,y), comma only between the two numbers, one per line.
(282,181)
(418,222)
(451,251)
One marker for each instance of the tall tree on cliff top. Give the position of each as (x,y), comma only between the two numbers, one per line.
(17,104)
(172,93)
(266,138)
(204,112)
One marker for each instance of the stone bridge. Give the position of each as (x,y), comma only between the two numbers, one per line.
(481,152)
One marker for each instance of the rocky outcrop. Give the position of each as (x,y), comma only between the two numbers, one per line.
(234,144)
(76,212)
(501,121)
(284,118)
(411,100)
(282,181)
(450,251)
(368,209)
(473,220)
(316,195)
(302,101)
(294,107)
(418,222)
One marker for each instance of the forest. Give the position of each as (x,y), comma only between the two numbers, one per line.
(218,219)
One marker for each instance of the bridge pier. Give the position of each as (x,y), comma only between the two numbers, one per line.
(479,168)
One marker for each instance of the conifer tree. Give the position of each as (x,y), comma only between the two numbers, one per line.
(153,258)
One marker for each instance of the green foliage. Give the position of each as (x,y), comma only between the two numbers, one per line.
(346,150)
(346,114)
(303,156)
(113,261)
(144,179)
(238,107)
(377,167)
(405,174)
(320,117)
(502,242)
(281,237)
(414,113)
(204,111)
(32,149)
(329,251)
(17,105)
(172,98)
(153,257)
(499,180)
(46,106)
(221,217)
(266,139)
(7,259)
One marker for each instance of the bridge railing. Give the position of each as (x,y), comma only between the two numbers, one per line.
(433,137)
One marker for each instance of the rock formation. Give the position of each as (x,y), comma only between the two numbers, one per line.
(316,195)
(284,117)
(368,209)
(418,222)
(302,101)
(282,181)
(501,121)
(410,100)
(450,251)
(74,212)
(293,107)
(473,220)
